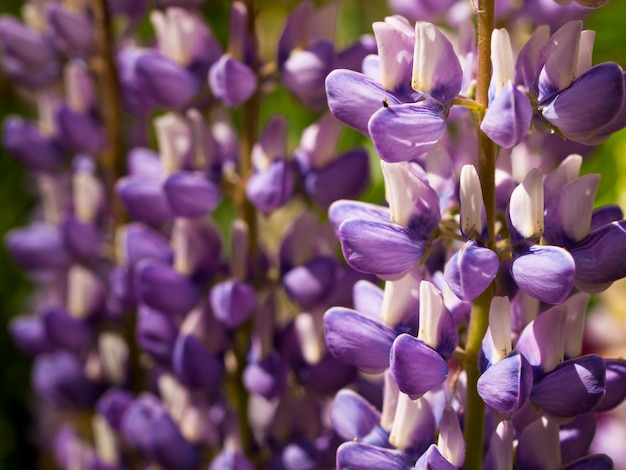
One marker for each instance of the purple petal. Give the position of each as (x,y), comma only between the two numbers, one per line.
(162,288)
(415,366)
(353,55)
(190,194)
(142,242)
(72,28)
(233,302)
(327,376)
(29,45)
(144,199)
(352,416)
(112,406)
(447,335)
(168,446)
(353,98)
(605,215)
(66,331)
(404,132)
(615,385)
(538,446)
(267,377)
(138,420)
(526,64)
(395,53)
(167,83)
(440,63)
(271,188)
(29,334)
(310,283)
(379,248)
(38,246)
(295,30)
(471,270)
(602,88)
(340,211)
(230,460)
(358,340)
(541,342)
(576,436)
(304,73)
(591,462)
(232,82)
(156,333)
(600,256)
(368,298)
(584,380)
(82,239)
(508,116)
(564,226)
(560,55)
(59,379)
(353,455)
(343,178)
(24,142)
(433,460)
(545,273)
(506,385)
(145,163)
(194,364)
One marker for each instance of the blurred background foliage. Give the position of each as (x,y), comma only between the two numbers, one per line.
(17,196)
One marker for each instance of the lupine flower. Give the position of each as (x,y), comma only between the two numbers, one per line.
(404,110)
(231,77)
(557,71)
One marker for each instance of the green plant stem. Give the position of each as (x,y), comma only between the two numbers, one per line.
(479,320)
(237,393)
(105,67)
(474,405)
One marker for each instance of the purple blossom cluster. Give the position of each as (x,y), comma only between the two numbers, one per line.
(192,307)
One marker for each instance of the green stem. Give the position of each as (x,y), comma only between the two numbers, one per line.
(474,405)
(105,67)
(246,211)
(479,320)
